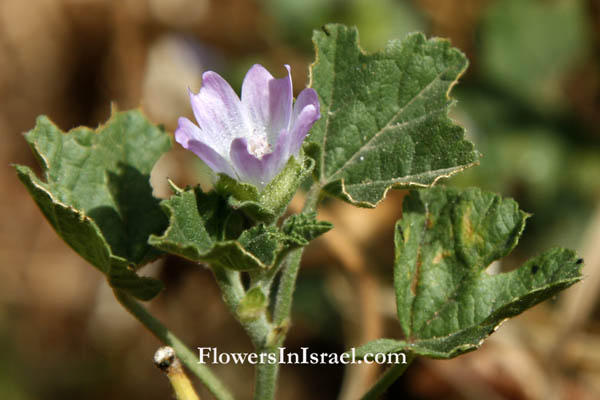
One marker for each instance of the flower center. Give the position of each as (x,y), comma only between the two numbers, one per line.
(258,145)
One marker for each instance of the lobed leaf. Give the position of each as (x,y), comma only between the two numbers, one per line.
(205,228)
(384,117)
(447,302)
(97,195)
(303,228)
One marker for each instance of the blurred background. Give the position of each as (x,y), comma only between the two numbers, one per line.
(530,101)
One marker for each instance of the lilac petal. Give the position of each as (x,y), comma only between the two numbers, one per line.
(219,111)
(305,114)
(249,168)
(282,153)
(258,171)
(306,97)
(268,100)
(187,130)
(302,125)
(280,104)
(211,158)
(255,94)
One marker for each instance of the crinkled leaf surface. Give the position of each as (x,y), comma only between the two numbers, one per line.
(447,302)
(303,228)
(97,194)
(205,228)
(384,119)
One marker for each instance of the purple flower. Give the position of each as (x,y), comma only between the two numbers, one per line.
(250,139)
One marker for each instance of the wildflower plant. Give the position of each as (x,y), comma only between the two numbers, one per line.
(249,140)
(377,122)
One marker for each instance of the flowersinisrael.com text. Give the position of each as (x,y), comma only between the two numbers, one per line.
(210,355)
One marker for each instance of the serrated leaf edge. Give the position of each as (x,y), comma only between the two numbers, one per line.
(345,195)
(26,172)
(415,346)
(399,185)
(155,241)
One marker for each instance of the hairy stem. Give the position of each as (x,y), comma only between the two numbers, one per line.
(265,381)
(187,357)
(287,284)
(233,292)
(389,376)
(230,284)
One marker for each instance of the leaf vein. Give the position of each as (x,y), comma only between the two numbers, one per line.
(388,125)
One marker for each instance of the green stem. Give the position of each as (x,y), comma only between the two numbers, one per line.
(230,284)
(289,274)
(265,381)
(233,291)
(389,376)
(187,357)
(287,284)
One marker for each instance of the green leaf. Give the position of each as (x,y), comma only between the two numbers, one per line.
(383,346)
(252,305)
(97,194)
(384,117)
(266,243)
(204,228)
(447,302)
(302,228)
